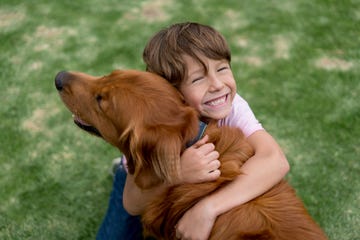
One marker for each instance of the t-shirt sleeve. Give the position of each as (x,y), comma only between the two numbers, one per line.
(242,116)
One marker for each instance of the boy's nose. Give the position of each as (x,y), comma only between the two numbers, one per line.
(215,83)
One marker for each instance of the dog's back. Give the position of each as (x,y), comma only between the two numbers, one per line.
(277,214)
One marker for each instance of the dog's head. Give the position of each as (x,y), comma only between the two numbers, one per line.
(138,112)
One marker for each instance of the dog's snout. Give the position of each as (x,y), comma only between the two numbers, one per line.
(60,78)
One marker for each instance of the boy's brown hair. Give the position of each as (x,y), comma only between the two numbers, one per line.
(163,54)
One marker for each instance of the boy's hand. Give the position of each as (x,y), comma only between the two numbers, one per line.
(199,163)
(196,223)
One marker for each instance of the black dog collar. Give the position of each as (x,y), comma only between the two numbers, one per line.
(202,128)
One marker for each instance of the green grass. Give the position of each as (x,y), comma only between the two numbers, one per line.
(296,62)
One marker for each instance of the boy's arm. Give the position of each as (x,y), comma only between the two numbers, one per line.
(135,199)
(261,172)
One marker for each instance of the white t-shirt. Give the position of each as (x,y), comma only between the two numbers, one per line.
(241,116)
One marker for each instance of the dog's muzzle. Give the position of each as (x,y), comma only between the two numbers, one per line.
(62,79)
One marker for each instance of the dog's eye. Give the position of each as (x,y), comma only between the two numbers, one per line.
(98,98)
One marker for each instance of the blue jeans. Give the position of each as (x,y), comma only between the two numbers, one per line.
(118,224)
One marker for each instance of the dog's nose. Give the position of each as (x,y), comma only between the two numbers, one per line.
(59,80)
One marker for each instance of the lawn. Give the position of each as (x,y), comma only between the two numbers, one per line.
(297,62)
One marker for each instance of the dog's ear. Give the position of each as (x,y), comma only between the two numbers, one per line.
(157,148)
(156,156)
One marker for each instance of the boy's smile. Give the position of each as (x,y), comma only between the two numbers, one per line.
(210,91)
(218,102)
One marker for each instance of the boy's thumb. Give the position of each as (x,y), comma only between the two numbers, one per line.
(202,141)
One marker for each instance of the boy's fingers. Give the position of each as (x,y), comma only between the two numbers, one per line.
(213,175)
(202,141)
(214,165)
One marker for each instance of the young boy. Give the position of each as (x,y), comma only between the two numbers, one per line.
(196,59)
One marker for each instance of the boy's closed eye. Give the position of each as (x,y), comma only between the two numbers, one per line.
(202,76)
(196,79)
(222,69)
(223,66)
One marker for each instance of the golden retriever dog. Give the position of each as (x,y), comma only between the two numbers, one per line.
(146,118)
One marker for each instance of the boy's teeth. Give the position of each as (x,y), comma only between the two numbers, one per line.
(217,101)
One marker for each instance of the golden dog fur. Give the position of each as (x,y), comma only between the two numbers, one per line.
(146,119)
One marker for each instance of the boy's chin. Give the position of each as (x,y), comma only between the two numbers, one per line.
(218,115)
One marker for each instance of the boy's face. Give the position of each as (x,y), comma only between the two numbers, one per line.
(211,93)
